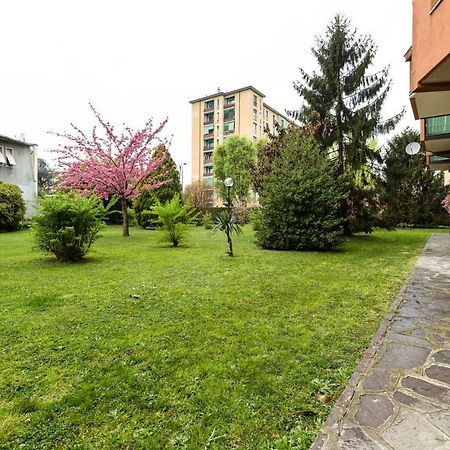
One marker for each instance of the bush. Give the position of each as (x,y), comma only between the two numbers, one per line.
(240,211)
(12,207)
(132,221)
(174,218)
(67,224)
(299,198)
(207,221)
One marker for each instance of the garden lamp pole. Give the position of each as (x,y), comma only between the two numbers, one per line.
(228,182)
(181,169)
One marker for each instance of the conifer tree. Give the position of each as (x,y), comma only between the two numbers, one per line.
(412,194)
(342,100)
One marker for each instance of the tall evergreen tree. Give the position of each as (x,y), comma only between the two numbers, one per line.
(342,101)
(412,194)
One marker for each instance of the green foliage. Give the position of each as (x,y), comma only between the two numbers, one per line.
(411,194)
(67,224)
(235,158)
(168,172)
(299,198)
(174,218)
(225,348)
(342,104)
(267,151)
(132,221)
(46,177)
(226,223)
(12,207)
(207,221)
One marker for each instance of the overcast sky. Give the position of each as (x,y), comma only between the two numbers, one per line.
(139,58)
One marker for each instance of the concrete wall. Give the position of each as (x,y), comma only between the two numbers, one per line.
(431,38)
(24,173)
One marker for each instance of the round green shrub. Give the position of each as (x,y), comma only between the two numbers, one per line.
(299,199)
(67,224)
(12,207)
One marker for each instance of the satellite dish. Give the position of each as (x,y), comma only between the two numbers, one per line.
(413,148)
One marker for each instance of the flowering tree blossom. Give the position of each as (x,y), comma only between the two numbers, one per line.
(107,163)
(446,203)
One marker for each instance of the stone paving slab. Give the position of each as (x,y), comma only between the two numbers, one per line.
(399,395)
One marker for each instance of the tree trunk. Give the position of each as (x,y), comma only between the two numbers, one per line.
(125,226)
(230,245)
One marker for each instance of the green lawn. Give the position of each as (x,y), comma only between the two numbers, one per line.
(145,346)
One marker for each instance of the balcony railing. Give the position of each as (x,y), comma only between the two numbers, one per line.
(210,109)
(437,127)
(228,105)
(209,134)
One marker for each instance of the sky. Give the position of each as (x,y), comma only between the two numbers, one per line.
(137,59)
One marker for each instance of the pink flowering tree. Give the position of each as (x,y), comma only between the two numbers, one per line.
(107,163)
(446,205)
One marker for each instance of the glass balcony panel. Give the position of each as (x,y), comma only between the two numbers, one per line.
(437,126)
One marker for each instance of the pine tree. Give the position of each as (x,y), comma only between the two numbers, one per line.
(342,101)
(412,194)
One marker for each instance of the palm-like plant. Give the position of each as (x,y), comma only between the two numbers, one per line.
(225,222)
(174,218)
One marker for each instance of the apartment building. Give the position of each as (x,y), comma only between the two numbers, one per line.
(18,165)
(215,117)
(429,58)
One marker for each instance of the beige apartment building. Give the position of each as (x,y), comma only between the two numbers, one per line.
(215,117)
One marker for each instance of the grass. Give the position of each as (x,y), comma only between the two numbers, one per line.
(145,346)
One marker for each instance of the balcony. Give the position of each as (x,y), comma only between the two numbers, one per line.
(208,157)
(437,135)
(438,162)
(208,134)
(229,105)
(437,127)
(229,117)
(208,109)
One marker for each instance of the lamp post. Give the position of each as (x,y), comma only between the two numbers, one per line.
(181,169)
(229,184)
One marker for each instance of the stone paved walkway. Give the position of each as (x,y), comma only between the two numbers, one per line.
(399,396)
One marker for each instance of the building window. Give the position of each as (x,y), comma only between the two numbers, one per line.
(228,127)
(2,157)
(209,144)
(228,115)
(255,115)
(209,117)
(282,123)
(208,170)
(255,101)
(266,115)
(208,181)
(229,101)
(209,104)
(9,154)
(255,128)
(207,156)
(208,129)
